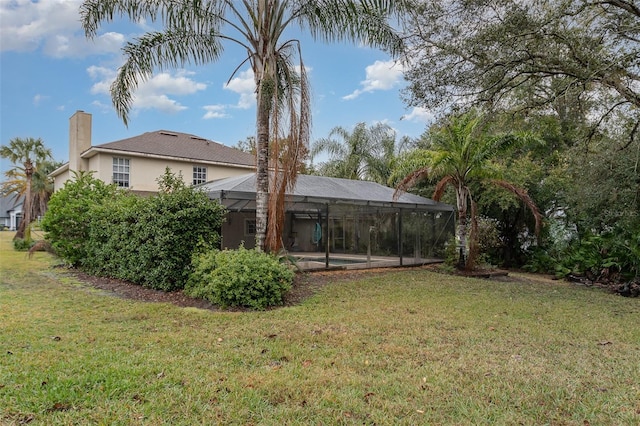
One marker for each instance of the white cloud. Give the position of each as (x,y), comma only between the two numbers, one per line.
(381,75)
(419,114)
(54,26)
(244,85)
(37,99)
(215,111)
(101,106)
(153,93)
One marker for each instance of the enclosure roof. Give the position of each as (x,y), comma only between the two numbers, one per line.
(321,190)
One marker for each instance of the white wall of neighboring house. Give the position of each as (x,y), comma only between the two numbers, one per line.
(15,217)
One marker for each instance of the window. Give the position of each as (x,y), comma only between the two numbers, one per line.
(199,175)
(121,172)
(249,227)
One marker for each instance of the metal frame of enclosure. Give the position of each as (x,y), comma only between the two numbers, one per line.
(341,223)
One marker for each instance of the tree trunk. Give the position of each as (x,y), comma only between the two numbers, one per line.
(462,194)
(262,170)
(26,206)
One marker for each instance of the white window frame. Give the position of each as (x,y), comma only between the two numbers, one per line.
(121,172)
(199,175)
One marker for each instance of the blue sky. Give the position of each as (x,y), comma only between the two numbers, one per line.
(48,70)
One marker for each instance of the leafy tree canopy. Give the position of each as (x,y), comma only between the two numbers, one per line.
(538,54)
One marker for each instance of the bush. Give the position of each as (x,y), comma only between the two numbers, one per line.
(114,233)
(69,215)
(240,277)
(151,241)
(20,244)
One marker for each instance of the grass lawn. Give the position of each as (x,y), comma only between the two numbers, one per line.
(403,347)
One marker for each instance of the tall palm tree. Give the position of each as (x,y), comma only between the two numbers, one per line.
(461,152)
(195,32)
(365,153)
(25,154)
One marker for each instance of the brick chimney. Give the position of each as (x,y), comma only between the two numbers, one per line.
(79,140)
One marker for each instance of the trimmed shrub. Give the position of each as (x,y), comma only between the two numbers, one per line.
(242,277)
(69,215)
(151,241)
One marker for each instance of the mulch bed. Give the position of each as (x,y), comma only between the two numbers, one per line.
(305,285)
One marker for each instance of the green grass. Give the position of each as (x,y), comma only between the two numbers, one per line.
(397,348)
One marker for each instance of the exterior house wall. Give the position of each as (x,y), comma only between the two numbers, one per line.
(148,157)
(145,171)
(60,179)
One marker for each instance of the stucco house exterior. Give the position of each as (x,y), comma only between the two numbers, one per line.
(137,162)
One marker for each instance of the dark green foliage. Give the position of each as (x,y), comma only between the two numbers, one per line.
(610,257)
(20,244)
(150,241)
(69,215)
(240,277)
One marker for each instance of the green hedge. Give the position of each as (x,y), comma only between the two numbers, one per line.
(148,241)
(242,277)
(69,214)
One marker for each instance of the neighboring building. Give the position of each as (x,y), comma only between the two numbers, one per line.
(332,222)
(10,212)
(136,163)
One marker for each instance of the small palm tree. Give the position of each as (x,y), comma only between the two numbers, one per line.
(25,154)
(460,153)
(195,32)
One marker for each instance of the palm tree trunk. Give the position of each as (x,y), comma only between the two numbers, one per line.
(462,194)
(26,207)
(262,170)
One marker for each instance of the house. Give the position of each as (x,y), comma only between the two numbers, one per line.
(10,212)
(137,162)
(332,222)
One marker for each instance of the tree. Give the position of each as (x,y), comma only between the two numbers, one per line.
(25,154)
(366,153)
(41,185)
(459,154)
(537,54)
(247,145)
(195,32)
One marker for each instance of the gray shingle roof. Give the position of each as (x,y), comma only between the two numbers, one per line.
(179,145)
(8,203)
(320,189)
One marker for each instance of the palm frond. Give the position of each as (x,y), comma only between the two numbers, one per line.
(522,194)
(159,50)
(359,22)
(410,181)
(441,186)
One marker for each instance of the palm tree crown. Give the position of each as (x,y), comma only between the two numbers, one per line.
(196,31)
(366,153)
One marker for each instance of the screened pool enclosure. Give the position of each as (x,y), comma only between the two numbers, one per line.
(341,223)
